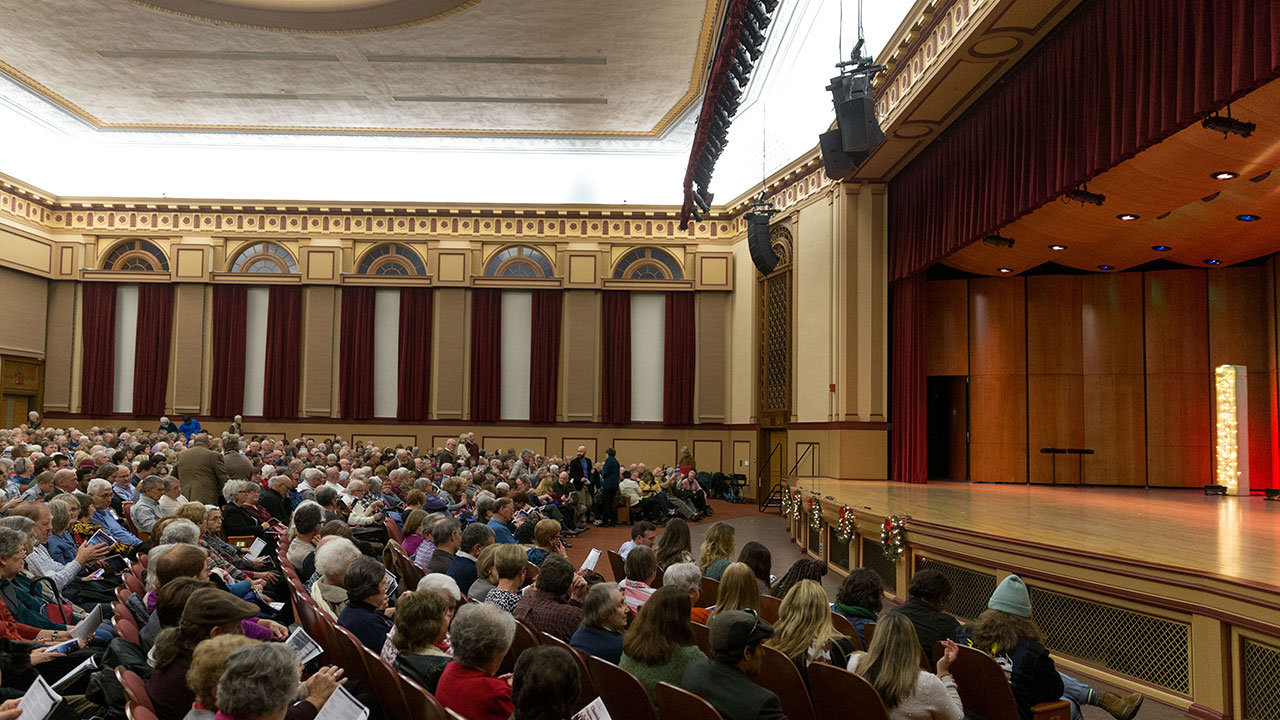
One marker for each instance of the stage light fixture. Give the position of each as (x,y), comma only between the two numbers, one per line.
(1228,125)
(1161,248)
(1225,175)
(998,241)
(1106,267)
(1084,197)
(1057,247)
(1005,270)
(1248,217)
(1215,489)
(1128,217)
(1211,261)
(1260,178)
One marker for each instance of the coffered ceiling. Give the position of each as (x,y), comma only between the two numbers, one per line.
(451,67)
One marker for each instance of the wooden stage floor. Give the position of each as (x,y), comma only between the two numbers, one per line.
(1229,536)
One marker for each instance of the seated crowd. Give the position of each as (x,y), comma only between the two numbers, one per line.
(223,527)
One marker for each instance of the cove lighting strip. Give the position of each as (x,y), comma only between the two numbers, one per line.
(1232,451)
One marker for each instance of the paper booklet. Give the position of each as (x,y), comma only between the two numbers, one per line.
(593,557)
(90,663)
(39,701)
(86,627)
(255,550)
(595,710)
(302,644)
(342,706)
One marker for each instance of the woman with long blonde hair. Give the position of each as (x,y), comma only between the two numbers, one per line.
(717,551)
(804,631)
(738,590)
(892,666)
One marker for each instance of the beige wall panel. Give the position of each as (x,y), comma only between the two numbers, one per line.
(866,302)
(580,356)
(321,323)
(508,442)
(569,448)
(813,314)
(742,458)
(385,440)
(191,263)
(26,253)
(649,452)
(947,327)
(708,455)
(742,339)
(452,267)
(450,338)
(321,264)
(715,271)
(59,346)
(26,297)
(190,356)
(864,454)
(713,338)
(584,269)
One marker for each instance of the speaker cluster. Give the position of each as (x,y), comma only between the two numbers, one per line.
(857,130)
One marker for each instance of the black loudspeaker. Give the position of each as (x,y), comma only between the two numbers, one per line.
(759,244)
(840,165)
(859,129)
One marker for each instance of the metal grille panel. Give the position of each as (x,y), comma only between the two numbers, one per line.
(1140,646)
(1261,682)
(776,308)
(839,553)
(873,557)
(970,590)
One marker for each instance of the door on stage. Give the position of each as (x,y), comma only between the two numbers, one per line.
(773,453)
(948,427)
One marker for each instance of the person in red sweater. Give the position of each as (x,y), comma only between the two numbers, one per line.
(481,634)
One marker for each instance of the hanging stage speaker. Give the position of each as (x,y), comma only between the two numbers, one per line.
(859,129)
(760,244)
(839,164)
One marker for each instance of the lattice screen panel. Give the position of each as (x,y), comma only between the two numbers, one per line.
(970,590)
(839,553)
(776,310)
(1261,682)
(1141,646)
(874,558)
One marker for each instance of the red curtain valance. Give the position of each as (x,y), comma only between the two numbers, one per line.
(1115,78)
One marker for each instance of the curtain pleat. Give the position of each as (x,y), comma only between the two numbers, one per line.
(230,318)
(414,391)
(679,348)
(98,337)
(355,353)
(486,354)
(544,355)
(152,342)
(908,448)
(615,369)
(284,350)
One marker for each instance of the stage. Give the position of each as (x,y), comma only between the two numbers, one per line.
(1169,592)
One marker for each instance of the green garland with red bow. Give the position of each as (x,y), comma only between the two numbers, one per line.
(815,514)
(892,536)
(791,506)
(847,525)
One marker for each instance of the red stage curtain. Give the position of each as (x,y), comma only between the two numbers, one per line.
(414,390)
(615,371)
(284,352)
(907,387)
(544,356)
(98,335)
(229,326)
(1116,77)
(486,354)
(151,359)
(355,353)
(678,360)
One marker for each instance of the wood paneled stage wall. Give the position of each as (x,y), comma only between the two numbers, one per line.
(1121,364)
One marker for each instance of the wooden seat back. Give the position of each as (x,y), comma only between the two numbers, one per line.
(386,686)
(422,704)
(702,636)
(393,530)
(677,703)
(135,691)
(138,712)
(624,696)
(523,640)
(769,608)
(710,591)
(985,691)
(618,565)
(844,695)
(586,688)
(846,628)
(782,676)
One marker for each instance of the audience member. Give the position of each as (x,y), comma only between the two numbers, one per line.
(412,531)
(333,557)
(366,613)
(421,624)
(892,666)
(859,599)
(717,550)
(686,578)
(757,557)
(804,632)
(660,642)
(738,591)
(675,546)
(641,572)
(306,527)
(475,538)
(926,608)
(545,684)
(507,576)
(643,534)
(260,682)
(202,471)
(724,681)
(500,522)
(208,613)
(546,541)
(802,569)
(553,604)
(604,617)
(481,634)
(484,581)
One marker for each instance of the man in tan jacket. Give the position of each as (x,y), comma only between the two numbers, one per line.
(239,467)
(202,471)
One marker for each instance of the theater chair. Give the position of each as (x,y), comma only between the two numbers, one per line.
(844,695)
(782,676)
(523,640)
(618,565)
(623,695)
(586,690)
(683,704)
(709,592)
(985,691)
(846,628)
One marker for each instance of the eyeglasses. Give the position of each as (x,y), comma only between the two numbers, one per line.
(755,615)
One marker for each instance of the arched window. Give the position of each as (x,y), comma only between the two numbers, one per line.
(392,259)
(137,256)
(519,261)
(265,258)
(648,264)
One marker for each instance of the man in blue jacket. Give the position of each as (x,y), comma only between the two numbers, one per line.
(500,521)
(610,477)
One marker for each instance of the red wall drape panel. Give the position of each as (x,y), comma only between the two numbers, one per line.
(680,346)
(355,353)
(908,450)
(98,335)
(414,390)
(486,354)
(230,316)
(615,370)
(1118,76)
(284,352)
(544,356)
(154,335)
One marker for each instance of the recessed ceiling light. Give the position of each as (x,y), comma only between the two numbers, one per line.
(1224,175)
(1161,248)
(1005,270)
(1248,217)
(1105,267)
(1057,247)
(1128,217)
(1211,261)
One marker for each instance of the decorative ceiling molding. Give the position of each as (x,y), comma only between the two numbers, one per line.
(338,17)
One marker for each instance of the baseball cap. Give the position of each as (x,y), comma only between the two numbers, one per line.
(211,606)
(733,630)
